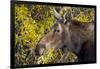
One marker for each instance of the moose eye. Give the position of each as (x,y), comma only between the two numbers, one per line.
(56,30)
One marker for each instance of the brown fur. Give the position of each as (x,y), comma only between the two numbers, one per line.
(74,35)
(77,39)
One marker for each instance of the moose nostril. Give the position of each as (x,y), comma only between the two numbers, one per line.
(40,49)
(41,45)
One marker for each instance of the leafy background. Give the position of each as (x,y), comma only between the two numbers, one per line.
(32,22)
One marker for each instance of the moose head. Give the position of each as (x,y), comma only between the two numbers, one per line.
(58,36)
(67,33)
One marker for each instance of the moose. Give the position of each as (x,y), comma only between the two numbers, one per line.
(72,34)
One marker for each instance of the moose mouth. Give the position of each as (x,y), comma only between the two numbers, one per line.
(41,48)
(67,53)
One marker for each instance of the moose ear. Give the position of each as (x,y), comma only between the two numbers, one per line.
(67,16)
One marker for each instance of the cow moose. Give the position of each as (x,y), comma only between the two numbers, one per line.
(72,34)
